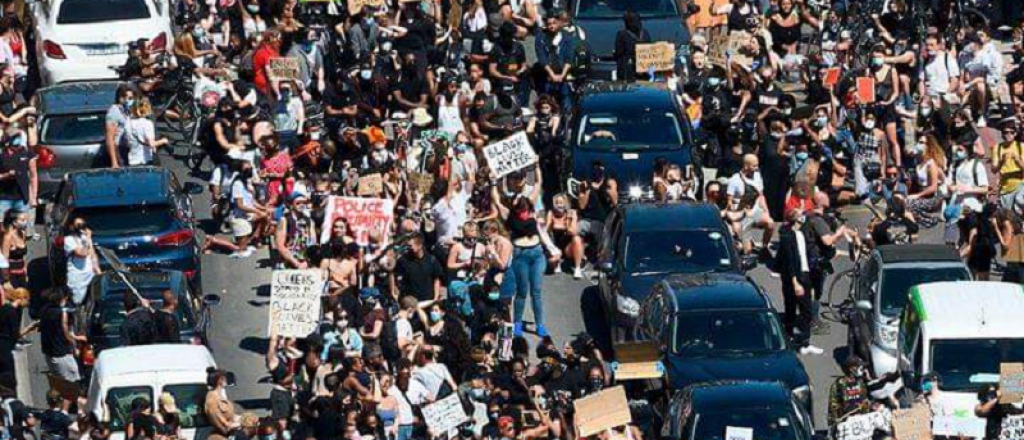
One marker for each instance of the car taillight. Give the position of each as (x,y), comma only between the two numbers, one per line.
(58,242)
(53,50)
(46,158)
(176,238)
(189,273)
(159,43)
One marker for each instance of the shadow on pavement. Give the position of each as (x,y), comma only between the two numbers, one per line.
(594,320)
(255,345)
(38,281)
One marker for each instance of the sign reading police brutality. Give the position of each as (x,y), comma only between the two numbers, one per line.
(363,215)
(283,68)
(660,57)
(509,155)
(295,301)
(445,415)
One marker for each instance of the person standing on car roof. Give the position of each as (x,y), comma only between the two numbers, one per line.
(117,125)
(633,32)
(166,319)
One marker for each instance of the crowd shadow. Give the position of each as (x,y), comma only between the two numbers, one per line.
(255,345)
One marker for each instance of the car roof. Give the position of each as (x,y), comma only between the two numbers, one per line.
(675,216)
(729,395)
(912,253)
(155,358)
(715,291)
(78,97)
(120,187)
(613,97)
(969,309)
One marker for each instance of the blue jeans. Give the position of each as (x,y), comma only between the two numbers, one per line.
(404,432)
(529,265)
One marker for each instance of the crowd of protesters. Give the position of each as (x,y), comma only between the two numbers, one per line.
(409,92)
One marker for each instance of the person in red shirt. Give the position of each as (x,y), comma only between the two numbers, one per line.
(269,48)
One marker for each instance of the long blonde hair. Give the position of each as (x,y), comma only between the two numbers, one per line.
(142,108)
(933,150)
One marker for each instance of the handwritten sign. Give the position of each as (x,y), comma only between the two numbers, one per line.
(371,185)
(735,48)
(951,420)
(1011,382)
(445,415)
(604,410)
(718,49)
(860,427)
(421,182)
(355,6)
(912,423)
(363,215)
(738,433)
(284,68)
(1012,428)
(660,57)
(832,76)
(295,301)
(866,90)
(509,155)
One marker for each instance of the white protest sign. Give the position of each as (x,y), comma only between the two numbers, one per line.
(445,415)
(952,420)
(295,301)
(861,427)
(738,433)
(510,154)
(1012,428)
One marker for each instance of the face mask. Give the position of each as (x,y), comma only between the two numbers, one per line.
(714,81)
(933,53)
(493,296)
(918,149)
(22,224)
(560,208)
(796,132)
(255,9)
(308,46)
(493,416)
(596,384)
(366,74)
(787,111)
(801,155)
(777,135)
(961,155)
(478,394)
(822,121)
(926,111)
(876,62)
(285,94)
(869,124)
(129,103)
(342,325)
(927,387)
(800,220)
(436,316)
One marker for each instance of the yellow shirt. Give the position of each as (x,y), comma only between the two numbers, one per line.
(1010,173)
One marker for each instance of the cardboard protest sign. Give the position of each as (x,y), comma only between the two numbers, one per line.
(604,410)
(859,427)
(660,57)
(421,182)
(284,68)
(445,415)
(509,155)
(1011,382)
(718,49)
(866,90)
(832,76)
(637,360)
(912,423)
(371,185)
(734,48)
(364,216)
(1012,428)
(738,433)
(295,301)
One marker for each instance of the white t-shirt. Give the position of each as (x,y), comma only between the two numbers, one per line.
(738,184)
(142,134)
(971,172)
(432,376)
(415,395)
(80,272)
(403,329)
(240,191)
(450,214)
(938,72)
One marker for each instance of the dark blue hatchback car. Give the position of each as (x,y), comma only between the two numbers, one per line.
(143,214)
(711,411)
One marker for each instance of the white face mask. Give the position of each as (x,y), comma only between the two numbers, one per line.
(869,124)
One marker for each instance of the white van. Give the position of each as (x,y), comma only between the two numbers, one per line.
(961,331)
(122,375)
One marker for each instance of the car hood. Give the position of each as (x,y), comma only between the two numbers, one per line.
(601,32)
(628,167)
(781,366)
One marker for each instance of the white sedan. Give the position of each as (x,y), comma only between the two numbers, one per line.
(78,40)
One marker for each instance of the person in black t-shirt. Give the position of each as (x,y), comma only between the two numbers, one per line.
(992,411)
(139,327)
(54,423)
(167,329)
(625,45)
(411,90)
(508,63)
(58,337)
(11,331)
(418,273)
(142,423)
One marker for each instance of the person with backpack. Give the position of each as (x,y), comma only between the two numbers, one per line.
(821,230)
(967,181)
(984,235)
(626,40)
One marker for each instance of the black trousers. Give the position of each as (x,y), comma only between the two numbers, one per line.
(817,281)
(797,310)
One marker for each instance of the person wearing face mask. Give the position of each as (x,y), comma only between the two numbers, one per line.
(747,202)
(508,64)
(248,217)
(309,53)
(116,126)
(19,177)
(554,60)
(363,35)
(941,73)
(270,47)
(793,263)
(967,181)
(872,151)
(253,23)
(295,233)
(289,115)
(848,395)
(219,410)
(1008,161)
(563,226)
(887,91)
(13,248)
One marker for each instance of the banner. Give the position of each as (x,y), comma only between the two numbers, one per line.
(718,48)
(445,415)
(284,68)
(1011,382)
(509,155)
(637,360)
(422,182)
(295,301)
(738,433)
(912,423)
(605,410)
(363,215)
(866,90)
(660,56)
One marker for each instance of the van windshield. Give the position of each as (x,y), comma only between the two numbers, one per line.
(969,364)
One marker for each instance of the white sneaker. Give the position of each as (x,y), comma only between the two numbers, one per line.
(242,254)
(982,123)
(577,273)
(558,268)
(810,349)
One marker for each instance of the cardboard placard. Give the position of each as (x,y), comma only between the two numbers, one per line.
(355,6)
(718,49)
(738,433)
(832,76)
(604,410)
(421,182)
(913,423)
(866,90)
(808,172)
(637,360)
(509,155)
(1012,428)
(1011,382)
(295,301)
(734,48)
(660,57)
(284,68)
(445,415)
(364,215)
(371,185)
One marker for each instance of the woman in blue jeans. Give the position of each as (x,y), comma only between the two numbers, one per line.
(527,266)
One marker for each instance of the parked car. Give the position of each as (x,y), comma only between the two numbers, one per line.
(102,313)
(720,326)
(626,127)
(707,411)
(142,214)
(602,19)
(72,123)
(79,40)
(881,285)
(645,242)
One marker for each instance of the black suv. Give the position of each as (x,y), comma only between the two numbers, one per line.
(643,243)
(760,409)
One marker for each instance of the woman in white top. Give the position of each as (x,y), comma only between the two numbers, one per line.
(967,180)
(252,23)
(449,108)
(81,259)
(928,175)
(142,140)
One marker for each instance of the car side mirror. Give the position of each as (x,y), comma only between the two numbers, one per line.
(193,188)
(230,376)
(864,305)
(211,300)
(748,262)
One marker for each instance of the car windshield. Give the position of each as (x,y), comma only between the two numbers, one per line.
(629,129)
(968,364)
(98,11)
(190,399)
(125,221)
(615,8)
(726,332)
(767,424)
(676,251)
(112,309)
(897,282)
(87,128)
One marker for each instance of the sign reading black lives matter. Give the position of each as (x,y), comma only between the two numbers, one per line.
(295,301)
(509,155)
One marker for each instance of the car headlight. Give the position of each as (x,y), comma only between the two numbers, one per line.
(802,394)
(627,305)
(635,191)
(887,336)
